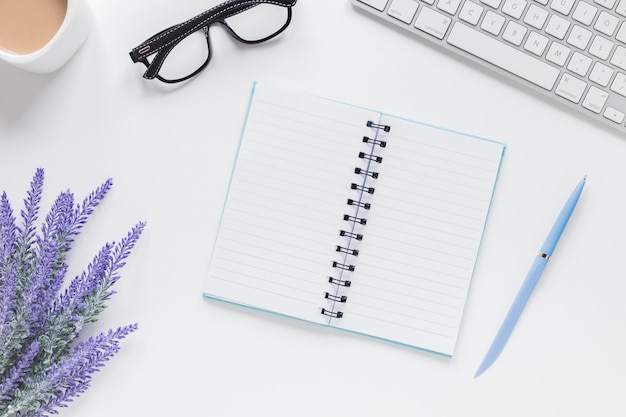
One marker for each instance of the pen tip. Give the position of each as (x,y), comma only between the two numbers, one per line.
(488,360)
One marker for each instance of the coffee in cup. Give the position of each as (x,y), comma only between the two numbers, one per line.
(41,35)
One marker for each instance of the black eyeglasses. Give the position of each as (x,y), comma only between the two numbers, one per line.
(182,51)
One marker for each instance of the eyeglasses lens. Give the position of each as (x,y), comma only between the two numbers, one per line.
(187,57)
(259,22)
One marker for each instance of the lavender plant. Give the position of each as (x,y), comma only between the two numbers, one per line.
(43,364)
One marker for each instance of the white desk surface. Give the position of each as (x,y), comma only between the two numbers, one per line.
(170,152)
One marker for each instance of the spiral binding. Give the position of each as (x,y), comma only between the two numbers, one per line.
(377,126)
(345,267)
(372,174)
(369,190)
(351,235)
(353,252)
(371,157)
(355,220)
(330,313)
(338,298)
(339,282)
(366,206)
(381,143)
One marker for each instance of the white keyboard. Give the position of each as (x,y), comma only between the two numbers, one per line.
(573,51)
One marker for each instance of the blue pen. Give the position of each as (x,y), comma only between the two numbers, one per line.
(531,280)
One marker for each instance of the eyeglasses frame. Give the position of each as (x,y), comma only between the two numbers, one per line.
(164,42)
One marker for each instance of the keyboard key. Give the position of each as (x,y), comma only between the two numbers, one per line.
(449,6)
(503,56)
(557,27)
(579,64)
(558,53)
(403,10)
(595,99)
(619,84)
(571,88)
(514,33)
(432,22)
(601,47)
(601,74)
(492,23)
(621,34)
(585,13)
(493,3)
(606,3)
(619,57)
(536,43)
(614,115)
(562,6)
(377,4)
(514,8)
(579,37)
(606,23)
(621,8)
(471,12)
(536,16)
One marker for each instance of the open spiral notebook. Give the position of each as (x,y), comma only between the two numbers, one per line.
(354,219)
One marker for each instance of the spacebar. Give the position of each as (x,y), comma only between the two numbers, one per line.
(503,56)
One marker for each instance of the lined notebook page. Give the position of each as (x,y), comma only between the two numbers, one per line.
(422,237)
(279,233)
(284,209)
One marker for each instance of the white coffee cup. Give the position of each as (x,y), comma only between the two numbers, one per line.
(52,49)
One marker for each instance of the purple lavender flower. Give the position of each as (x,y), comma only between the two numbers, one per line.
(39,368)
(29,217)
(18,371)
(8,232)
(71,375)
